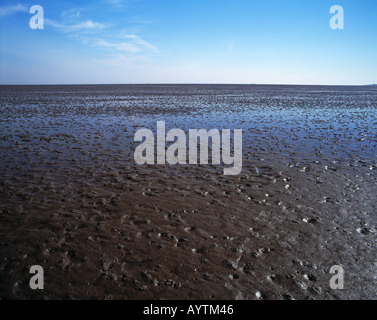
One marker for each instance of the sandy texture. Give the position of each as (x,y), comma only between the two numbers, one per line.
(73,200)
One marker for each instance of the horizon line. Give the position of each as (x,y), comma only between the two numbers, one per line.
(182,83)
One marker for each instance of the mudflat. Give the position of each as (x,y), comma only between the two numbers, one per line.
(74,201)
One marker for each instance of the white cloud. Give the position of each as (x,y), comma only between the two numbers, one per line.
(134,45)
(11,9)
(123,46)
(82,26)
(140,41)
(115,2)
(71,14)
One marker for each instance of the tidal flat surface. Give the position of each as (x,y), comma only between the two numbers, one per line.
(73,200)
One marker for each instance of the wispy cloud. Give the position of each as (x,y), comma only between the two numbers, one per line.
(71,14)
(140,41)
(123,46)
(139,20)
(82,26)
(117,2)
(12,9)
(134,45)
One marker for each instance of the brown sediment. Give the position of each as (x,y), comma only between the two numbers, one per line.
(73,200)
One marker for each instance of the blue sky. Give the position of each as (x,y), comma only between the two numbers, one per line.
(181,41)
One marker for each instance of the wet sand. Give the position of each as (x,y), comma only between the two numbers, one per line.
(73,200)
